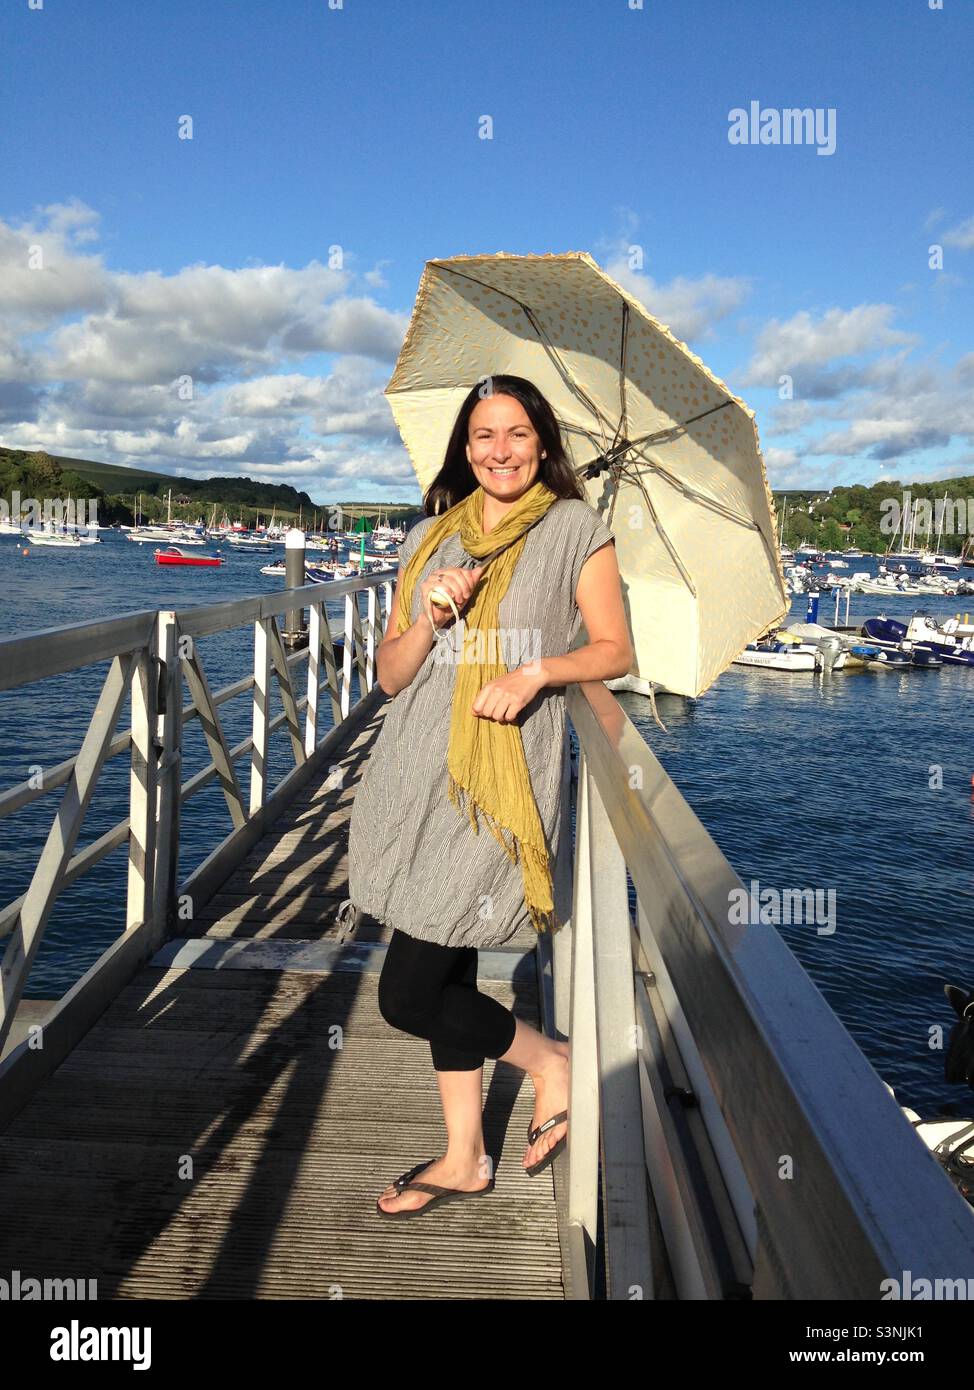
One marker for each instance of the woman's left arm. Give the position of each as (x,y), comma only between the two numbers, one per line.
(608,652)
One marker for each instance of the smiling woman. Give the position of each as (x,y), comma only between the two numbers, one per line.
(459,829)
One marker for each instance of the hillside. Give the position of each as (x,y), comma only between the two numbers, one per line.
(854,515)
(36,473)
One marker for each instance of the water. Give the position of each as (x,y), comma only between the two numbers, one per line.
(810,782)
(803,782)
(43,724)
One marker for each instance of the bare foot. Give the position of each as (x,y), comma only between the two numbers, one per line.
(442,1172)
(550,1098)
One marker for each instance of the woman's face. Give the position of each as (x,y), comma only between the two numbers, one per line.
(503,447)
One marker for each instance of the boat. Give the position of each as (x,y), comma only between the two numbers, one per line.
(54,538)
(776,654)
(952,640)
(385,536)
(61,536)
(949,1136)
(313,574)
(174,555)
(239,542)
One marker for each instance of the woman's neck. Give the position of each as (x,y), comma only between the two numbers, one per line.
(491,517)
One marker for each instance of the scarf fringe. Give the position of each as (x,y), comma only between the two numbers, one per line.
(534,863)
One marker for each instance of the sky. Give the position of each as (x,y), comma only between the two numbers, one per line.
(806,274)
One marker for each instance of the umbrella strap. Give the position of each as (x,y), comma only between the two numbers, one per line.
(652,702)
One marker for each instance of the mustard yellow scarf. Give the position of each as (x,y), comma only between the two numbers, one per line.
(485,758)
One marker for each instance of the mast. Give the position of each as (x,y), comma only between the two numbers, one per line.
(940,528)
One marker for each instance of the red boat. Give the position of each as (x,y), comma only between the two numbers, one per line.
(172,555)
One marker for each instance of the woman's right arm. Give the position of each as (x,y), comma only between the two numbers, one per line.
(398,658)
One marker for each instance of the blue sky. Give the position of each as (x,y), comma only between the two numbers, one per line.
(358,127)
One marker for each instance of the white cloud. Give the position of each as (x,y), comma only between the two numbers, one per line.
(961,236)
(783,347)
(95,362)
(690,308)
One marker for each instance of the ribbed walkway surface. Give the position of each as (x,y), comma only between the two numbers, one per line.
(225,1128)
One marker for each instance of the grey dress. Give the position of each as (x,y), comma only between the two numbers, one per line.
(416,863)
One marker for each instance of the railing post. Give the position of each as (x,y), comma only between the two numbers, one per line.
(373,613)
(168,748)
(583,1104)
(295,633)
(628,1259)
(142,791)
(262,714)
(351,623)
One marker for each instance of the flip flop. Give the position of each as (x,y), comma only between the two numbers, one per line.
(441,1194)
(552,1154)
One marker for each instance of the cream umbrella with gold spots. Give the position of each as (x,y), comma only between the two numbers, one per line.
(667,455)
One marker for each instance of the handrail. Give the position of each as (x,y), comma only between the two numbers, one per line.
(23,792)
(151,654)
(779,1164)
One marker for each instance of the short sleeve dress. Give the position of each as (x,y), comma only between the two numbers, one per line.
(416,863)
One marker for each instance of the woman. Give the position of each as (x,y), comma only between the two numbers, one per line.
(475,741)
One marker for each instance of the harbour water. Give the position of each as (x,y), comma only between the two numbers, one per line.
(805,782)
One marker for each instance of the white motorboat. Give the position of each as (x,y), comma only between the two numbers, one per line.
(55,538)
(800,647)
(238,542)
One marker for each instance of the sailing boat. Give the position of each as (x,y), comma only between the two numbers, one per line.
(142,533)
(384,536)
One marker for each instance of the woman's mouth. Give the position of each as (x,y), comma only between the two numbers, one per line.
(504,472)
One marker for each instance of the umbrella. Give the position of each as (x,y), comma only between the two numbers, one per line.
(666,454)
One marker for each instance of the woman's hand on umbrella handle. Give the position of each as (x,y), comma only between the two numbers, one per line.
(446,590)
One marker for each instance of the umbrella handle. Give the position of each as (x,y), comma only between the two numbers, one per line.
(442,600)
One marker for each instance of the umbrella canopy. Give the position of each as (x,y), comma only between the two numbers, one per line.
(666,454)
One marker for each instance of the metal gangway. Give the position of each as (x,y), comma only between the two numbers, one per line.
(212,1107)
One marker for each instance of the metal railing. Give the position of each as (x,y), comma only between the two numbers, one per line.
(744,1145)
(747,1147)
(152,654)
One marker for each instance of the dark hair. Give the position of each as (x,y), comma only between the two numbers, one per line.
(456,480)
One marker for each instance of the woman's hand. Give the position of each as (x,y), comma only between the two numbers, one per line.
(458,583)
(504,698)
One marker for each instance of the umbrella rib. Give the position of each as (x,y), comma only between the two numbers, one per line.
(695,496)
(665,538)
(623,405)
(658,437)
(661,435)
(546,341)
(704,501)
(562,367)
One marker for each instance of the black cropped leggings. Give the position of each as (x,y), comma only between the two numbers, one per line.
(431,991)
